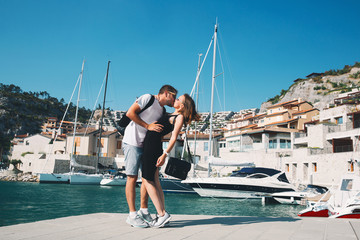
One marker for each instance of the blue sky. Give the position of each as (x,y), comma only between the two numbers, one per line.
(264,46)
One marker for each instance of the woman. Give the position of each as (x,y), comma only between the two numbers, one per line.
(154,156)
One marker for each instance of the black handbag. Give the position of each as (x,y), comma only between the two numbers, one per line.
(179,168)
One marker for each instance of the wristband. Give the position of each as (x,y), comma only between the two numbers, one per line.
(166,153)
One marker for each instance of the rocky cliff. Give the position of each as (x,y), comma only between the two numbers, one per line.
(320,90)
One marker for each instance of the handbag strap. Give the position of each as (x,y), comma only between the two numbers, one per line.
(190,158)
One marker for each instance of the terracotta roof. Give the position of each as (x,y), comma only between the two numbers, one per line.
(271,129)
(249,126)
(311,122)
(108,133)
(277,113)
(304,111)
(82,131)
(283,103)
(281,122)
(22,136)
(202,136)
(260,115)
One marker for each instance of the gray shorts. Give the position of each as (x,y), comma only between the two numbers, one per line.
(132,159)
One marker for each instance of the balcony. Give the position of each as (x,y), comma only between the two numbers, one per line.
(300,138)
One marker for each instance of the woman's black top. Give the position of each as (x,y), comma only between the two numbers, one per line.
(152,148)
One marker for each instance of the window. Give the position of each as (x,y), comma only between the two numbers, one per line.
(346,185)
(102,143)
(314,167)
(273,143)
(77,141)
(351,167)
(234,144)
(285,143)
(306,171)
(294,170)
(287,167)
(339,120)
(206,146)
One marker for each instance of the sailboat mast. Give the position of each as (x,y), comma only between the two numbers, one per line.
(102,117)
(197,100)
(212,93)
(76,116)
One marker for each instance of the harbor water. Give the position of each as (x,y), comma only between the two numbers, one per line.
(22,202)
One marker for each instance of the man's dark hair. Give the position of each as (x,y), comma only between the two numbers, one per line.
(168,88)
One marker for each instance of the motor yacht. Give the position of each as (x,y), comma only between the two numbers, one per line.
(297,196)
(114,180)
(249,182)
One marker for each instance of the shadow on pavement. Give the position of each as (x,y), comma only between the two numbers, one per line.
(228,221)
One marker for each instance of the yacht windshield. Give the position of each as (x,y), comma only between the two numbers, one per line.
(254,172)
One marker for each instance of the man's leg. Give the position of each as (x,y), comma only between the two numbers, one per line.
(132,163)
(130,192)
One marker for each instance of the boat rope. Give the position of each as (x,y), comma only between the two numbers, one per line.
(198,74)
(62,120)
(93,110)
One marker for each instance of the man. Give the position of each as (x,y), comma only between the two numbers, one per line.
(132,145)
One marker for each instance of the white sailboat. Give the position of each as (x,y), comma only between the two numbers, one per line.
(254,184)
(91,179)
(64,177)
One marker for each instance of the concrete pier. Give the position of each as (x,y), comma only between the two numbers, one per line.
(113,226)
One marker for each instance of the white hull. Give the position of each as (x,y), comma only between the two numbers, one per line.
(227,193)
(54,178)
(86,179)
(113,182)
(237,187)
(289,197)
(347,212)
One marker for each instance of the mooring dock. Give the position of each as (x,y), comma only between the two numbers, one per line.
(113,226)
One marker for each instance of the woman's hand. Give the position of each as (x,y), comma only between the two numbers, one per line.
(161,160)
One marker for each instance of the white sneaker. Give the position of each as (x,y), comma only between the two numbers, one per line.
(166,224)
(146,217)
(161,221)
(137,222)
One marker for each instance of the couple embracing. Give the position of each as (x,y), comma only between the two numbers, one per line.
(142,145)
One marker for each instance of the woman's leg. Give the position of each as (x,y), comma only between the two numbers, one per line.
(159,190)
(154,195)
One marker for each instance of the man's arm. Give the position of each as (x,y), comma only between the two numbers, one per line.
(133,114)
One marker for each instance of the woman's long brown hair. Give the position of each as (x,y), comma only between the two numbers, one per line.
(189,110)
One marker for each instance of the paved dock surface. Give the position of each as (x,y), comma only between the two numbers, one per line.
(113,226)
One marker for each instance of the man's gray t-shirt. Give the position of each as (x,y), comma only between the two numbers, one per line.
(134,133)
